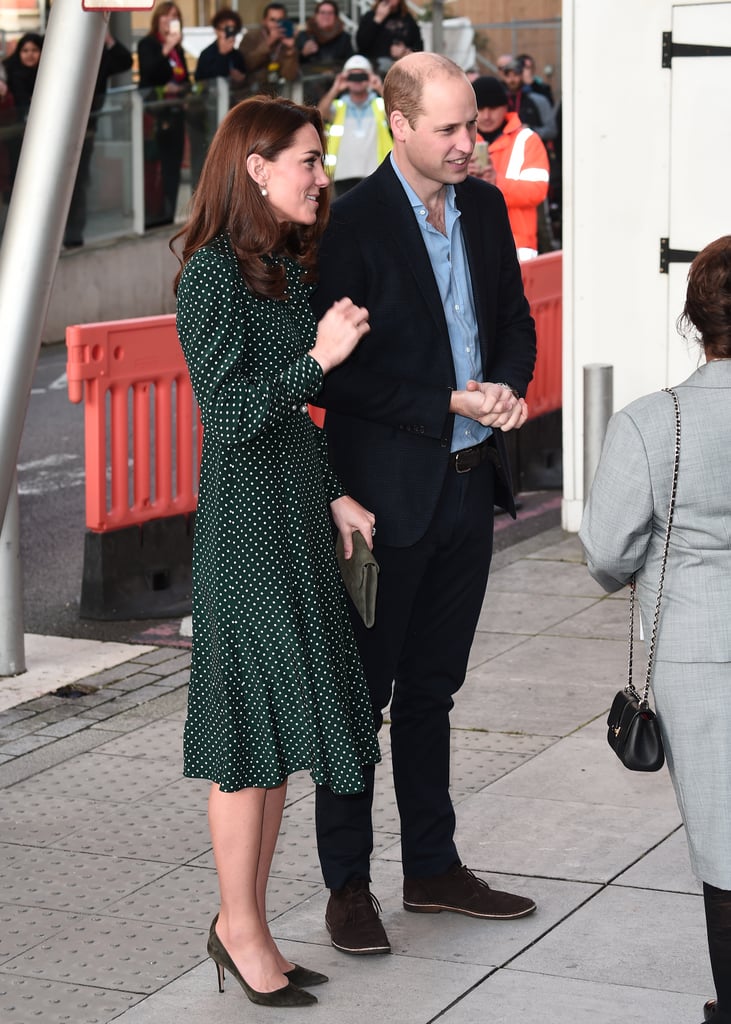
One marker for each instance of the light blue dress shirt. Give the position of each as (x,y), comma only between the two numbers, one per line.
(448,258)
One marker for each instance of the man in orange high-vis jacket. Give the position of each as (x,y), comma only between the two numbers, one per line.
(516,162)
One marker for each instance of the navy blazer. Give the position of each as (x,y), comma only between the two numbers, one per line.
(388,421)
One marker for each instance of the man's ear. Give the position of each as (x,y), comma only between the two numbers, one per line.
(399,125)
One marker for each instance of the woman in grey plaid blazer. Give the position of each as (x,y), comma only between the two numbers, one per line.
(623,532)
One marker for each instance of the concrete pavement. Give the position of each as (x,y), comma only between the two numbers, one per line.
(107,885)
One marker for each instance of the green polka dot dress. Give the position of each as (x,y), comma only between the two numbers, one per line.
(276,683)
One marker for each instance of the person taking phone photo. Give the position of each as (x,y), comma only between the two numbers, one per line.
(269,51)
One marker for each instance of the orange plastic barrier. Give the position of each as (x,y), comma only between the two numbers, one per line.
(143,430)
(544,291)
(141,422)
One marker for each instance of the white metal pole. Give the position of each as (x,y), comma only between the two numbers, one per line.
(12,646)
(39,206)
(36,219)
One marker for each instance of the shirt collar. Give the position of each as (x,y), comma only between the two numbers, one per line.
(450,201)
(451,210)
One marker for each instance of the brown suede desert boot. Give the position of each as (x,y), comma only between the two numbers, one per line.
(463,892)
(352,918)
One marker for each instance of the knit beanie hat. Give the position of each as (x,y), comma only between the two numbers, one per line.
(490,92)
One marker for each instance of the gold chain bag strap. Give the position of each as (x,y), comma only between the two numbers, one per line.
(633,731)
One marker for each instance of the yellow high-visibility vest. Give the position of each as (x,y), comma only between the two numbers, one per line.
(334,132)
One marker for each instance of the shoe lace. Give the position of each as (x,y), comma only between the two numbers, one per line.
(362,904)
(467,874)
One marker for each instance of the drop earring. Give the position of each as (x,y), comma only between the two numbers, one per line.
(264,191)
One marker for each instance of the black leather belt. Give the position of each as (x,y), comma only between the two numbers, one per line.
(470,458)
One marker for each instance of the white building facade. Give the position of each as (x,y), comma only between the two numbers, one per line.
(646,158)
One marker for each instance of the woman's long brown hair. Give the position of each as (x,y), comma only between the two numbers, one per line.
(228,201)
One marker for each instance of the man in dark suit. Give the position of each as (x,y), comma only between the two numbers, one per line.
(415,420)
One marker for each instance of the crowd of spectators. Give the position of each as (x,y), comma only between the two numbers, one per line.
(269,57)
(18,73)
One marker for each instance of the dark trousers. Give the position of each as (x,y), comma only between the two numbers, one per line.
(429,601)
(76,222)
(717,903)
(170,137)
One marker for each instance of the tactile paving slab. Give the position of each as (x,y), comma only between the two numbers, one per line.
(105,777)
(160,741)
(21,928)
(133,956)
(186,897)
(189,897)
(30,815)
(30,1001)
(501,742)
(150,830)
(184,794)
(472,770)
(61,880)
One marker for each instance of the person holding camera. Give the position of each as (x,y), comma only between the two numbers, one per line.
(163,77)
(221,59)
(358,136)
(269,51)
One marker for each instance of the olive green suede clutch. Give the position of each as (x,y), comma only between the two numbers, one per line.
(360,576)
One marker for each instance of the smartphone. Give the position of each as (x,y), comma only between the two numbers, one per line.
(481,156)
(175,26)
(288,27)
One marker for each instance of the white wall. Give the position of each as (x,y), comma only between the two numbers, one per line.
(617,168)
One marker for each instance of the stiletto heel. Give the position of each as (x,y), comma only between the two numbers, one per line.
(290,995)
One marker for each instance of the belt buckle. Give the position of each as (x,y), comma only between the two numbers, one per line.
(457,461)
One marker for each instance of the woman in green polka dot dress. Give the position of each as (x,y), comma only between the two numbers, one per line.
(276,683)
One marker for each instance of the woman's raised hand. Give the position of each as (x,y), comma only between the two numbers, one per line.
(338,333)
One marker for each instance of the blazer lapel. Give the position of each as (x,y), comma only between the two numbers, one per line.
(407,240)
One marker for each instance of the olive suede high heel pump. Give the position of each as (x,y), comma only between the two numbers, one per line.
(304,977)
(290,995)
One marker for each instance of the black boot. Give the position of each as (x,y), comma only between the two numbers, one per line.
(717,903)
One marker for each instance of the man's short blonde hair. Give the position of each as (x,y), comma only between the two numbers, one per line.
(403,86)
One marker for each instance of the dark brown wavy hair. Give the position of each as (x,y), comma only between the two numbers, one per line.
(228,200)
(708,300)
